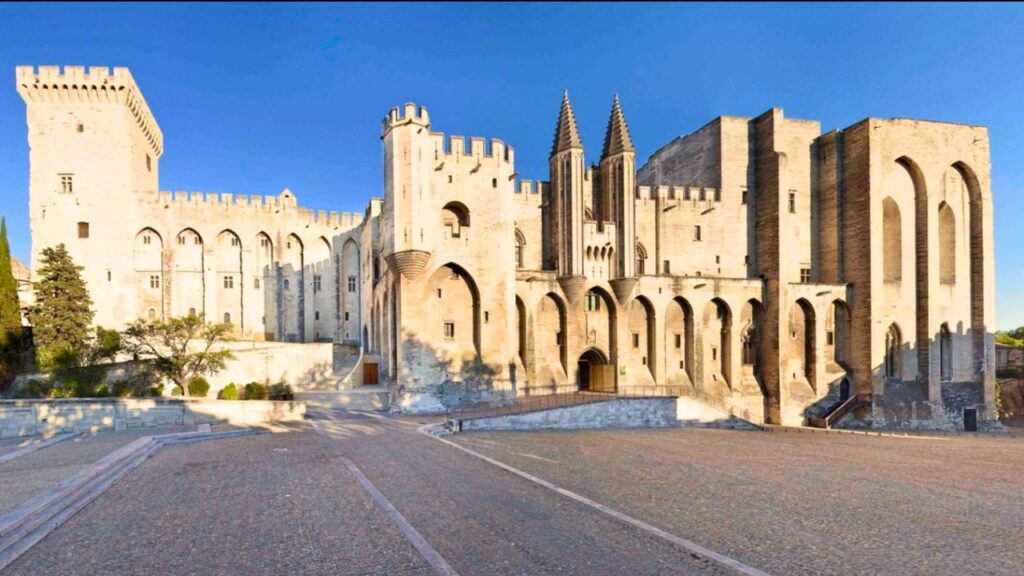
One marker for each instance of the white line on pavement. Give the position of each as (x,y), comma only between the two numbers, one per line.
(653,530)
(441,567)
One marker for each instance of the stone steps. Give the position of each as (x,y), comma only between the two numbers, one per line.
(374,398)
(34,519)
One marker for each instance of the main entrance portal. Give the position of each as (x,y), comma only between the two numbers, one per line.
(594,373)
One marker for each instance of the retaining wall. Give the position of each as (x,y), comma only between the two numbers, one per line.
(46,417)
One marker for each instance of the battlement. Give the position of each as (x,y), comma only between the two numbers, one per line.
(530,191)
(454,148)
(285,202)
(679,193)
(409,113)
(52,85)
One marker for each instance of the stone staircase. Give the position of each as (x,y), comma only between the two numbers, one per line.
(348,391)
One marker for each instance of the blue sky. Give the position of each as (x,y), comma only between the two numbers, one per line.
(253,99)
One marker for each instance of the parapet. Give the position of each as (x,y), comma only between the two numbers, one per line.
(258,205)
(679,193)
(454,148)
(410,113)
(76,85)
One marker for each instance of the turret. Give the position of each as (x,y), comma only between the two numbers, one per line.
(408,153)
(567,174)
(618,185)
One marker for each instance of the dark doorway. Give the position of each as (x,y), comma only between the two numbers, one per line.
(593,373)
(970,419)
(844,390)
(370,374)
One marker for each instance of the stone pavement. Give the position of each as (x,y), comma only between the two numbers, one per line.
(799,503)
(24,477)
(783,503)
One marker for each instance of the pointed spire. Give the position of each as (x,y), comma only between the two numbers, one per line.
(616,138)
(566,136)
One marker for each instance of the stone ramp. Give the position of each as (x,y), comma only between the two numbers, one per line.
(607,412)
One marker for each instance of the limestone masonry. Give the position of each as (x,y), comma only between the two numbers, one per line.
(756,262)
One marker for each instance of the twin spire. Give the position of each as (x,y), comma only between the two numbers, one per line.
(567,135)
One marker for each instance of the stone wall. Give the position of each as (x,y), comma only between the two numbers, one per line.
(617,413)
(47,417)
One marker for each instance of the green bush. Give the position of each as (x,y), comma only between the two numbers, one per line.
(176,391)
(198,387)
(280,391)
(229,392)
(34,389)
(255,391)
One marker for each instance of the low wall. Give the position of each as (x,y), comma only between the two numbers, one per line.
(46,417)
(303,366)
(614,413)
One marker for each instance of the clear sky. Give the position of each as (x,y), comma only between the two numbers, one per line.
(253,99)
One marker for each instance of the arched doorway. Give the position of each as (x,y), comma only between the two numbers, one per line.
(593,373)
(844,390)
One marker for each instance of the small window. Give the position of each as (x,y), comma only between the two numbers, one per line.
(191,311)
(234,241)
(593,302)
(696,233)
(449,330)
(81,128)
(67,184)
(229,282)
(346,316)
(743,197)
(256,283)
(636,339)
(487,317)
(718,259)
(714,353)
(746,259)
(227,318)
(792,202)
(718,195)
(805,275)
(151,314)
(667,267)
(83,229)
(351,283)
(149,163)
(146,239)
(154,281)
(316,283)
(558,338)
(108,275)
(286,284)
(830,338)
(449,178)
(679,341)
(195,240)
(181,239)
(316,315)
(438,293)
(494,182)
(703,195)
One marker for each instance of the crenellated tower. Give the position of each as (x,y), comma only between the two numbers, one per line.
(567,174)
(408,153)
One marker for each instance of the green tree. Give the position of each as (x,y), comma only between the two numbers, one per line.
(1011,338)
(179,349)
(10,312)
(62,312)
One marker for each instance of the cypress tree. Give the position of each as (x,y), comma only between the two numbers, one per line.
(62,313)
(10,312)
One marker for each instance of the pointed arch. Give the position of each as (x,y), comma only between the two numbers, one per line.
(892,241)
(641,258)
(454,316)
(976,242)
(716,343)
(947,244)
(641,325)
(520,248)
(679,345)
(148,262)
(893,367)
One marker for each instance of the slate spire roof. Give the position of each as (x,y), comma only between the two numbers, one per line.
(566,135)
(616,138)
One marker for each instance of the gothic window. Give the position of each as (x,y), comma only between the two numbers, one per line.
(154,281)
(351,283)
(641,257)
(67,183)
(520,241)
(892,242)
(454,217)
(593,302)
(146,239)
(805,275)
(229,282)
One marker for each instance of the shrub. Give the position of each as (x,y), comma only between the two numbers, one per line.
(176,391)
(255,391)
(34,389)
(280,391)
(198,387)
(229,392)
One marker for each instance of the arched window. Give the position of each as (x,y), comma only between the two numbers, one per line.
(893,350)
(227,318)
(454,217)
(520,242)
(151,314)
(945,353)
(641,257)
(892,242)
(947,244)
